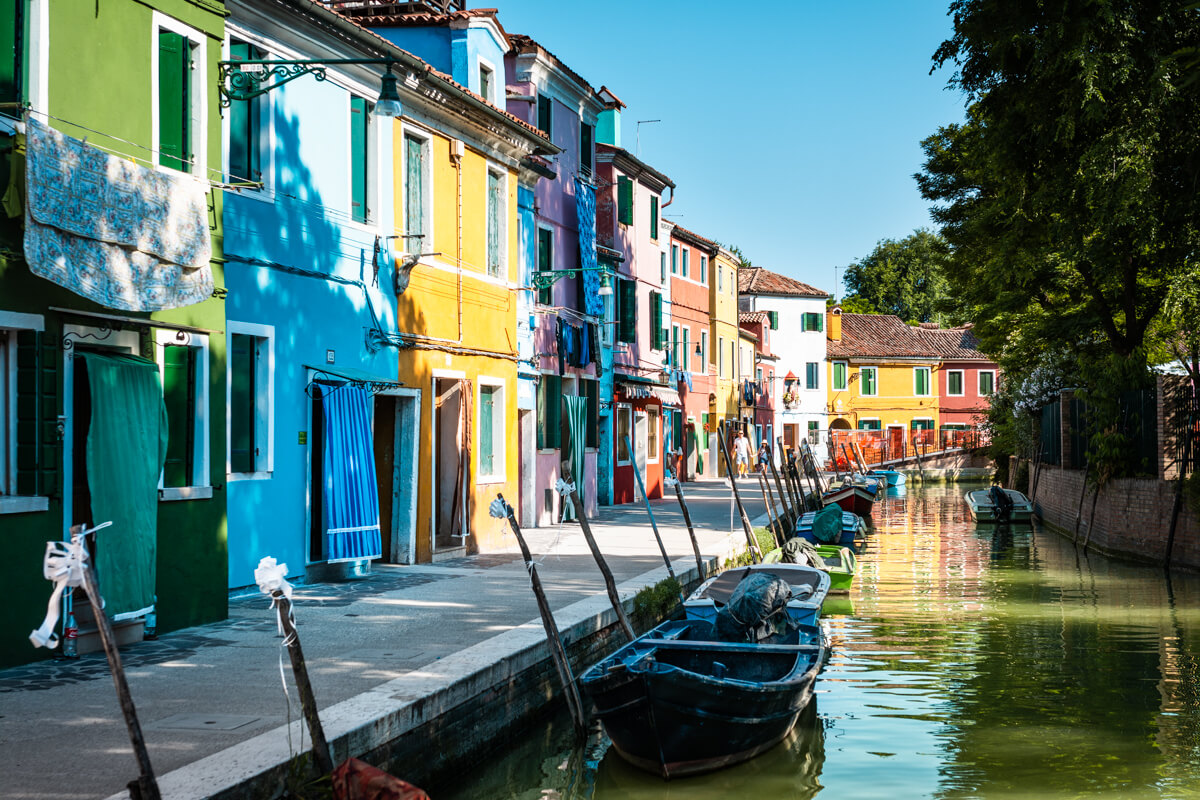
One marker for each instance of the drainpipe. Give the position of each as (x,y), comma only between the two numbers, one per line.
(672,200)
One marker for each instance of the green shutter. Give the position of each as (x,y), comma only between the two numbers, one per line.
(494,223)
(358,159)
(545,262)
(653,217)
(818,322)
(624,200)
(545,110)
(37,414)
(174,101)
(414,195)
(243,409)
(11,35)
(774,317)
(487,434)
(585,149)
(627,327)
(592,388)
(922,381)
(549,412)
(244,125)
(839,376)
(179,396)
(656,339)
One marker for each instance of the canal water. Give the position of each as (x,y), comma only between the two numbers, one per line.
(968,661)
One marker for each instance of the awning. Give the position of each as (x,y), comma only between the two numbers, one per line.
(642,389)
(358,377)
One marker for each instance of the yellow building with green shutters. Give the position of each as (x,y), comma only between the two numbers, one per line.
(882,376)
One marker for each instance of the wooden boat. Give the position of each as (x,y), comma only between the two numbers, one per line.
(989,505)
(889,476)
(853,527)
(809,588)
(675,702)
(856,495)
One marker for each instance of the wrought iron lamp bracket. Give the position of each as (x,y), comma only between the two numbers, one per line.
(245,80)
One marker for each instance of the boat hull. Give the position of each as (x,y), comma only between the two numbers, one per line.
(852,527)
(803,609)
(841,565)
(854,499)
(983,510)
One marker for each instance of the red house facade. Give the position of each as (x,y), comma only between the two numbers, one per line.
(690,267)
(966,379)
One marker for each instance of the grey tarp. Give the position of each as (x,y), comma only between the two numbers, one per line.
(575,414)
(126,445)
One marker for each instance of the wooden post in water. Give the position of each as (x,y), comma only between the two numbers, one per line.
(755,555)
(558,653)
(610,584)
(797,504)
(1087,469)
(308,700)
(774,521)
(637,473)
(1092,520)
(789,507)
(146,785)
(687,518)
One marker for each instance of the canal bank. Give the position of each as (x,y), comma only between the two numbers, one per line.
(422,667)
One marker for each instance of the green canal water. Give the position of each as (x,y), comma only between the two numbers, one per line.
(968,661)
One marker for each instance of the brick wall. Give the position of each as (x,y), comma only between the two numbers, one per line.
(1132,516)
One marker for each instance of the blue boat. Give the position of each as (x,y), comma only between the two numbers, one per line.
(809,588)
(676,702)
(853,528)
(891,476)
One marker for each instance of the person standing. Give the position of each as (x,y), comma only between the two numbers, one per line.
(764,454)
(741,452)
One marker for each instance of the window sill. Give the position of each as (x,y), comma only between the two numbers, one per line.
(185,493)
(23,505)
(232,477)
(492,480)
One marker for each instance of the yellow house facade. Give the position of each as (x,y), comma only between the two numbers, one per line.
(724,335)
(457,217)
(882,375)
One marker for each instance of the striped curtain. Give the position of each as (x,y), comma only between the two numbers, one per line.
(351,499)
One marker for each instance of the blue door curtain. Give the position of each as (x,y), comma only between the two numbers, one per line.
(351,499)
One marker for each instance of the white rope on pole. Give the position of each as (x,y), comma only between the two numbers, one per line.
(63,564)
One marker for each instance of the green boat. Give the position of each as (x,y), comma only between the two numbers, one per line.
(839,563)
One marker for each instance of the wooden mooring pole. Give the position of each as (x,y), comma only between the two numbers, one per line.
(308,700)
(146,785)
(610,584)
(796,506)
(755,555)
(687,519)
(558,653)
(773,524)
(637,473)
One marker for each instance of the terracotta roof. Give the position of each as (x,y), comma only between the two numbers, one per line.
(881,335)
(756,280)
(631,164)
(752,316)
(526,44)
(694,238)
(389,14)
(955,344)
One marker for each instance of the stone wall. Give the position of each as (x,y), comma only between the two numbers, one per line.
(1132,516)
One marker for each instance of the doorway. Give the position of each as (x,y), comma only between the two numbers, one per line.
(396,424)
(450,453)
(640,429)
(895,441)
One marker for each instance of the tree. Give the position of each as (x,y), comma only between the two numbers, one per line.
(1069,195)
(906,278)
(743,261)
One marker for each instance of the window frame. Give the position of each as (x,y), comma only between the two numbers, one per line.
(654,218)
(662,267)
(264,107)
(502,267)
(654,417)
(587,166)
(979,382)
(371,215)
(549,290)
(425,138)
(540,443)
(13,322)
(264,434)
(198,119)
(684,266)
(499,430)
(627,410)
(482,65)
(928,381)
(549,129)
(812,369)
(962,383)
(833,381)
(703,270)
(201,486)
(703,351)
(720,356)
(862,381)
(674,259)
(878,424)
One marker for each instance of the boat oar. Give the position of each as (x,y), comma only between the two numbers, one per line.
(610,584)
(687,518)
(637,473)
(270,577)
(755,555)
(501,510)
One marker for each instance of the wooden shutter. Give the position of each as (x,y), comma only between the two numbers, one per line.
(545,263)
(358,159)
(624,200)
(174,101)
(656,337)
(487,433)
(179,396)
(545,110)
(585,149)
(774,317)
(37,414)
(243,406)
(653,217)
(627,327)
(592,388)
(244,124)
(549,412)
(11,34)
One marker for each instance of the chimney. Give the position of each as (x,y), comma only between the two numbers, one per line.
(833,324)
(608,124)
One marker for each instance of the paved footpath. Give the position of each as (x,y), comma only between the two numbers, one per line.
(202,690)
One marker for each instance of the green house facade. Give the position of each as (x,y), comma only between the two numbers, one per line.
(112,312)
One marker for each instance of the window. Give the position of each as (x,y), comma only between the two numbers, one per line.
(814,432)
(867,381)
(662,268)
(248,119)
(360,160)
(704,269)
(491,431)
(28,409)
(624,200)
(921,425)
(184,371)
(812,322)
(987,382)
(485,83)
(921,381)
(869,425)
(549,412)
(758,374)
(586,137)
(674,259)
(652,433)
(496,248)
(720,279)
(624,418)
(685,362)
(545,262)
(773,317)
(733,365)
(591,390)
(812,375)
(654,217)
(675,354)
(545,114)
(249,399)
(686,252)
(176,95)
(417,187)
(721,356)
(954,383)
(704,351)
(627,310)
(11,47)
(839,376)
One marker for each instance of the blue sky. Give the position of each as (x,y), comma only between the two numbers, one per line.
(792,130)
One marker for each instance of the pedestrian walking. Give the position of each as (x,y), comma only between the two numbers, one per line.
(741,452)
(764,455)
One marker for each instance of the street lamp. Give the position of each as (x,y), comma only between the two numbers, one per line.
(245,80)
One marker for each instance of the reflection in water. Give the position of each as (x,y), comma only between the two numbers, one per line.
(968,661)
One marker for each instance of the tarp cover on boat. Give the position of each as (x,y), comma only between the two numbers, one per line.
(801,551)
(827,524)
(756,609)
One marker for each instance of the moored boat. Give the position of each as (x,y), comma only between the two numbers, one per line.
(853,527)
(809,587)
(891,477)
(841,565)
(998,505)
(854,495)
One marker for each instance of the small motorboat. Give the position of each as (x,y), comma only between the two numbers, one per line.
(889,477)
(856,495)
(999,505)
(853,528)
(679,701)
(809,586)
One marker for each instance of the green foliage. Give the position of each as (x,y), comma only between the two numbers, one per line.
(766,540)
(1110,445)
(655,603)
(906,278)
(742,259)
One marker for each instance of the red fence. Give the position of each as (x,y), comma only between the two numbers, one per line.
(878,447)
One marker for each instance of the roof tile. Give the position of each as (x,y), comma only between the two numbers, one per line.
(756,280)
